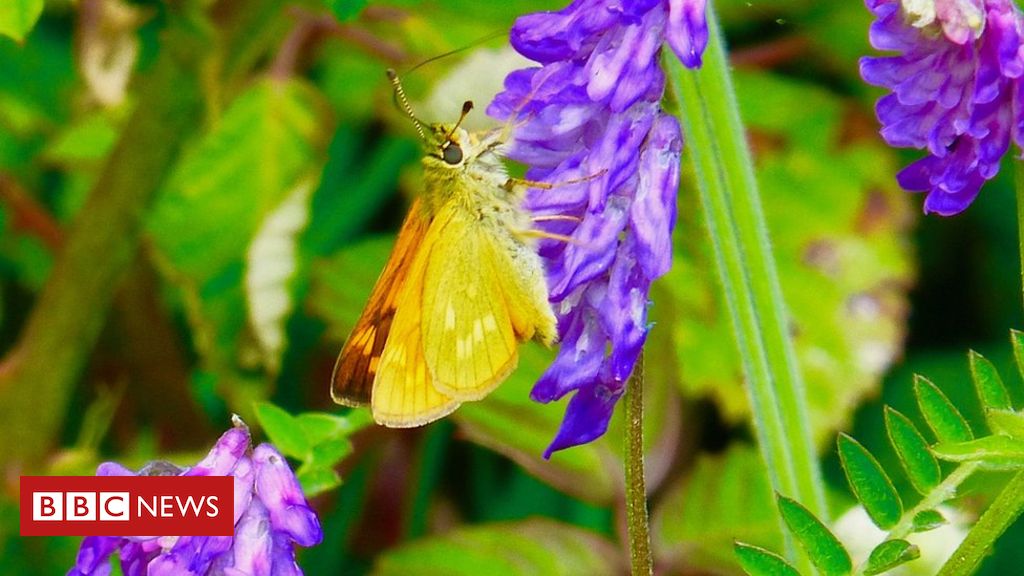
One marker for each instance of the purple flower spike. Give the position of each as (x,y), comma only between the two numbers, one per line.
(271,516)
(955,91)
(591,113)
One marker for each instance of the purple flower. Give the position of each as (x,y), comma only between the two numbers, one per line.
(591,113)
(271,516)
(955,91)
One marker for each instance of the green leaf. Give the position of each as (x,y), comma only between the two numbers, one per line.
(757,561)
(726,497)
(317,480)
(270,138)
(508,422)
(283,430)
(912,449)
(1006,422)
(321,426)
(890,554)
(838,227)
(988,384)
(1017,340)
(926,520)
(345,10)
(995,452)
(822,547)
(17,17)
(942,416)
(536,546)
(869,483)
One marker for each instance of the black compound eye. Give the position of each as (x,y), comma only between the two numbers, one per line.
(452,153)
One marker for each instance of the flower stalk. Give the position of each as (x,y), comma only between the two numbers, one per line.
(637,520)
(746,267)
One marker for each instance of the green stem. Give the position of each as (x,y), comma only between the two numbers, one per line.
(746,268)
(979,541)
(636,488)
(1018,182)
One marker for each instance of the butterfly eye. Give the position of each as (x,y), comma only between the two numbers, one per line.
(452,153)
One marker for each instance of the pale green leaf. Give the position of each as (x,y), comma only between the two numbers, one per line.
(523,548)
(271,263)
(1006,422)
(17,17)
(725,497)
(283,430)
(996,452)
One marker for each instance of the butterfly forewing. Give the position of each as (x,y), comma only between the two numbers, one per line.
(358,362)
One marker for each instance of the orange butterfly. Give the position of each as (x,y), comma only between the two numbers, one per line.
(462,287)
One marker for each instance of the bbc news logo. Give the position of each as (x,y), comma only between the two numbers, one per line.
(127,505)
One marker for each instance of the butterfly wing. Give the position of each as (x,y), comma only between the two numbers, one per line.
(469,340)
(357,364)
(404,394)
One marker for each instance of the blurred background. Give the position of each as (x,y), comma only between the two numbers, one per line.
(196,198)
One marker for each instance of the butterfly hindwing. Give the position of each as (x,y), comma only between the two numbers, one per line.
(358,362)
(468,336)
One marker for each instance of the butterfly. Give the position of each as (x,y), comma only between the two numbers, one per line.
(463,286)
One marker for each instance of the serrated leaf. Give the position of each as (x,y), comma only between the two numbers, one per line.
(988,384)
(757,561)
(283,430)
(926,520)
(912,449)
(317,480)
(524,548)
(18,17)
(940,414)
(837,224)
(995,452)
(870,483)
(1006,422)
(890,554)
(271,263)
(726,497)
(822,547)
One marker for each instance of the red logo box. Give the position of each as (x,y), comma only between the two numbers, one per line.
(127,505)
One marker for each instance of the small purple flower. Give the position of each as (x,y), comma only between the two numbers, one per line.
(591,113)
(955,91)
(271,516)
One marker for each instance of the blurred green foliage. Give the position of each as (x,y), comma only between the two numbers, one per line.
(208,189)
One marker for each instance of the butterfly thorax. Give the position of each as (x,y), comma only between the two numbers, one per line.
(466,169)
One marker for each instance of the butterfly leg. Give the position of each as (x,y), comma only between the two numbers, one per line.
(535,233)
(557,218)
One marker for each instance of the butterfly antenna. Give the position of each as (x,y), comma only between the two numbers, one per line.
(466,107)
(403,103)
